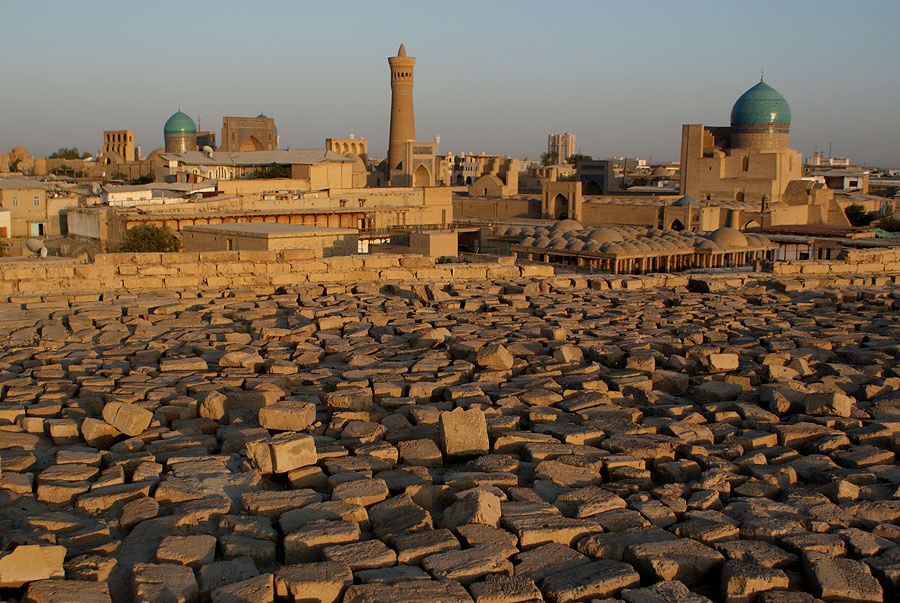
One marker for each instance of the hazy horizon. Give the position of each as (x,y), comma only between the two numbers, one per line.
(490,77)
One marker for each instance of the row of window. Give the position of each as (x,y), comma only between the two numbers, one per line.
(36,201)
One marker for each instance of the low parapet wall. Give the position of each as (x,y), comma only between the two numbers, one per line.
(259,270)
(849,262)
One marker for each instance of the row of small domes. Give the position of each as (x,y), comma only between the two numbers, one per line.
(569,235)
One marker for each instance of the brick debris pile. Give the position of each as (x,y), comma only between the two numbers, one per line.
(480,441)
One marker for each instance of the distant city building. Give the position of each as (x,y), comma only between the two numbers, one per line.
(357,150)
(249,134)
(118,146)
(597,177)
(561,144)
(317,168)
(818,159)
(842,180)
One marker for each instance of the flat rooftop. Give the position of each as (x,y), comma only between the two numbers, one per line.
(269,229)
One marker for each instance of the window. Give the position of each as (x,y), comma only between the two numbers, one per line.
(229,244)
(15,201)
(37,201)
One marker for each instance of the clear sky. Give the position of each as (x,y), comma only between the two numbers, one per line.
(493,76)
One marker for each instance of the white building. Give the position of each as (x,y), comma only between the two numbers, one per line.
(562,144)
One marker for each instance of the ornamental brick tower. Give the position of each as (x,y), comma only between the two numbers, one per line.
(403,123)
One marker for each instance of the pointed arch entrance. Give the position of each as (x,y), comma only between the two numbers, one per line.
(421,177)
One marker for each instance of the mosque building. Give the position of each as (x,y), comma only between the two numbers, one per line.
(239,134)
(748,161)
(180,133)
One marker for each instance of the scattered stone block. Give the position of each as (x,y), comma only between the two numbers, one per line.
(129,419)
(323,582)
(283,452)
(598,579)
(31,562)
(164,582)
(464,432)
(685,560)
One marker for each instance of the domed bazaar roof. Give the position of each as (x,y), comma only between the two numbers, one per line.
(761,104)
(727,237)
(179,123)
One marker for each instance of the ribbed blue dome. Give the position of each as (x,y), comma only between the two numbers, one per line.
(179,123)
(761,104)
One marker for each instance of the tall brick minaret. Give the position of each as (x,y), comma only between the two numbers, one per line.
(403,122)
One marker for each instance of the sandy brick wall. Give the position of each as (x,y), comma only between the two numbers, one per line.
(850,262)
(260,270)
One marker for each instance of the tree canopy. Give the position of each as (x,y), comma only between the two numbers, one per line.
(147,238)
(67,153)
(549,158)
(573,159)
(858,216)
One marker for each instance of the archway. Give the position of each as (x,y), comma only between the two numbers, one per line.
(677,225)
(250,144)
(592,187)
(752,225)
(560,207)
(460,180)
(739,196)
(468,180)
(421,177)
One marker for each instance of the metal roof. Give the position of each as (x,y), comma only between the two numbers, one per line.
(251,158)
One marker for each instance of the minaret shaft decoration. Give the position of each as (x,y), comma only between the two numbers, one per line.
(403,122)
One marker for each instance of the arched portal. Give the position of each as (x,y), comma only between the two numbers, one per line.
(591,187)
(752,225)
(250,144)
(677,225)
(460,180)
(560,207)
(739,196)
(421,177)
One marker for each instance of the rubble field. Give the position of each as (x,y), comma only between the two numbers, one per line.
(497,442)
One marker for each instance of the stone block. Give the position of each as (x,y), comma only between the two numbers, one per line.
(27,563)
(282,453)
(127,418)
(287,416)
(464,432)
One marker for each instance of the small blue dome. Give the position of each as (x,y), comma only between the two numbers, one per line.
(761,104)
(685,201)
(179,123)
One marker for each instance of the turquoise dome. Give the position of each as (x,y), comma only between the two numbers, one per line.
(179,123)
(685,201)
(761,104)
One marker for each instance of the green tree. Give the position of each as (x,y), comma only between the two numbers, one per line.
(273,171)
(149,237)
(858,216)
(67,153)
(145,179)
(549,158)
(890,224)
(14,165)
(573,159)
